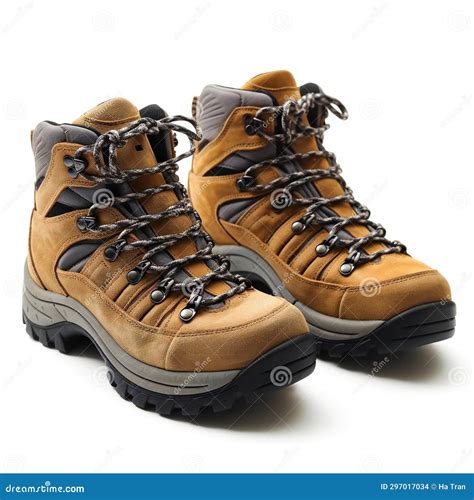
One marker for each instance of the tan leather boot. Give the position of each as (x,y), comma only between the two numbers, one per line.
(117,255)
(274,201)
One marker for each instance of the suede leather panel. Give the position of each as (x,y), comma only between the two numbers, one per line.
(157,314)
(260,323)
(130,293)
(51,237)
(324,297)
(406,289)
(208,194)
(232,138)
(57,178)
(395,296)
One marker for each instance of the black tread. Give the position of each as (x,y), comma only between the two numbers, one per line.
(297,355)
(420,325)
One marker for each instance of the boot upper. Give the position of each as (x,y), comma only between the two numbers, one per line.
(69,258)
(233,216)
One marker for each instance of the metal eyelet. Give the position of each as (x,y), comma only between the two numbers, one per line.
(187,314)
(191,309)
(75,166)
(248,125)
(322,249)
(300,225)
(137,273)
(160,293)
(325,246)
(112,251)
(244,182)
(346,268)
(86,223)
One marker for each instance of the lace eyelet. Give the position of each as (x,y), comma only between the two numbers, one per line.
(249,125)
(112,251)
(137,273)
(157,296)
(322,249)
(187,314)
(75,166)
(160,293)
(86,223)
(244,182)
(346,268)
(191,309)
(298,227)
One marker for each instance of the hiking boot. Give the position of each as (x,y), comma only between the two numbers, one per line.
(273,199)
(117,256)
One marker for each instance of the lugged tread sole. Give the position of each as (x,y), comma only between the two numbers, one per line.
(420,325)
(283,365)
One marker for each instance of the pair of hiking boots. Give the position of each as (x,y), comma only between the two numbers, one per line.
(167,291)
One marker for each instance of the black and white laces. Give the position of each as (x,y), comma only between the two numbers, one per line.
(104,153)
(289,127)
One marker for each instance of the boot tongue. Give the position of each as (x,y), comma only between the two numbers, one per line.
(115,113)
(281,84)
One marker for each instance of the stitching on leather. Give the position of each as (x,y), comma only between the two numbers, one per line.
(136,324)
(395,281)
(274,258)
(214,144)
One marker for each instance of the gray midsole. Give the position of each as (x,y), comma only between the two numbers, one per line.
(44,308)
(245,260)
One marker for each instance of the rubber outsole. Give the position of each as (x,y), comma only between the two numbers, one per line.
(415,327)
(420,325)
(280,367)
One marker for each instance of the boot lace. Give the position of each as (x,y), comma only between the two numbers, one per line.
(104,153)
(289,127)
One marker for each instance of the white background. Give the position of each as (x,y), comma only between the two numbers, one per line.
(405,71)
